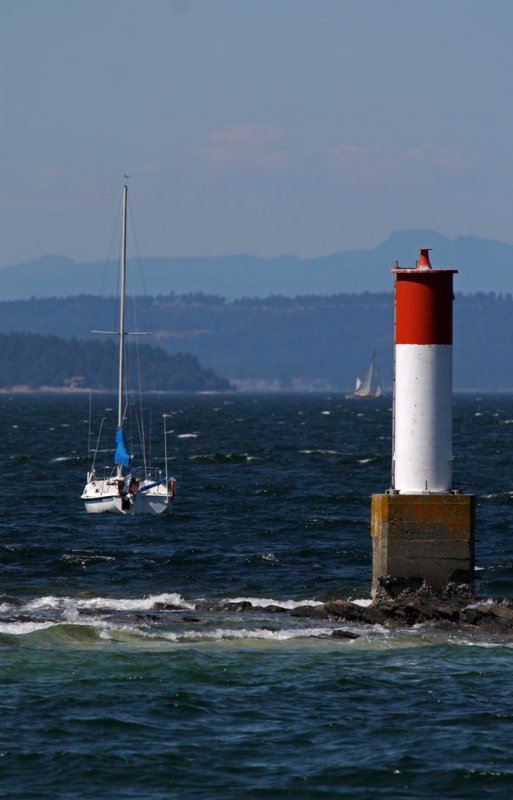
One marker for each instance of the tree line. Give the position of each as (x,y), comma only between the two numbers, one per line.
(306,341)
(33,361)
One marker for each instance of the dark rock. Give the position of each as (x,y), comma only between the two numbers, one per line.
(244,605)
(208,605)
(502,613)
(390,588)
(272,609)
(351,612)
(417,607)
(395,588)
(315,612)
(447,612)
(190,618)
(338,633)
(166,607)
(496,617)
(471,616)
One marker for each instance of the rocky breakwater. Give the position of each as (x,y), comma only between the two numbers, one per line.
(404,606)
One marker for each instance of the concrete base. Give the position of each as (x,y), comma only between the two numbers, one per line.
(422,540)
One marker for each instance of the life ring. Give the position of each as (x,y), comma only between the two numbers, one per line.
(172,487)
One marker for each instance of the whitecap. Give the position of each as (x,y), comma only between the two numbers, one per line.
(261,602)
(187,436)
(320,452)
(134,604)
(221,634)
(22,628)
(48,601)
(108,603)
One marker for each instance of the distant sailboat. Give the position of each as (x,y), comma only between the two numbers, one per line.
(370,386)
(127,489)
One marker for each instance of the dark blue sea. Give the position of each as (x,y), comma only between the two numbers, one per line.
(126,673)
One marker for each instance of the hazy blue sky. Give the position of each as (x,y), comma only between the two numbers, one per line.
(258,126)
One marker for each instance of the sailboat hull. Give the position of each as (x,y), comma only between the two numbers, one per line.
(102,496)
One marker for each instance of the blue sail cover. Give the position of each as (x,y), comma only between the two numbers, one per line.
(121,456)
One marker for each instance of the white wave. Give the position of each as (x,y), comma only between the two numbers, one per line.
(221,634)
(320,452)
(364,460)
(187,436)
(69,604)
(21,628)
(465,641)
(5,607)
(326,413)
(261,602)
(62,458)
(479,603)
(362,601)
(134,604)
(48,601)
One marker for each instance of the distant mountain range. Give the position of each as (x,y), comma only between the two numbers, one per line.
(484,266)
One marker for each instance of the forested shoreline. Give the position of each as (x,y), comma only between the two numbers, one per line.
(31,361)
(306,342)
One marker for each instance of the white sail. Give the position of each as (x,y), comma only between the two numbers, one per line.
(365,386)
(370,386)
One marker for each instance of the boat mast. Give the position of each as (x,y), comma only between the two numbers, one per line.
(122,309)
(122,313)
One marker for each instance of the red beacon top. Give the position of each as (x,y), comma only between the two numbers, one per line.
(423,303)
(424,262)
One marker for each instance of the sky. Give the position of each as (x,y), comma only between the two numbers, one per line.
(265,127)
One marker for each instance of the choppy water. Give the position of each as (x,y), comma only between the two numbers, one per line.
(125,674)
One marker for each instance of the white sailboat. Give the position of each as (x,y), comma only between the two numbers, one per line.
(127,490)
(370,386)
